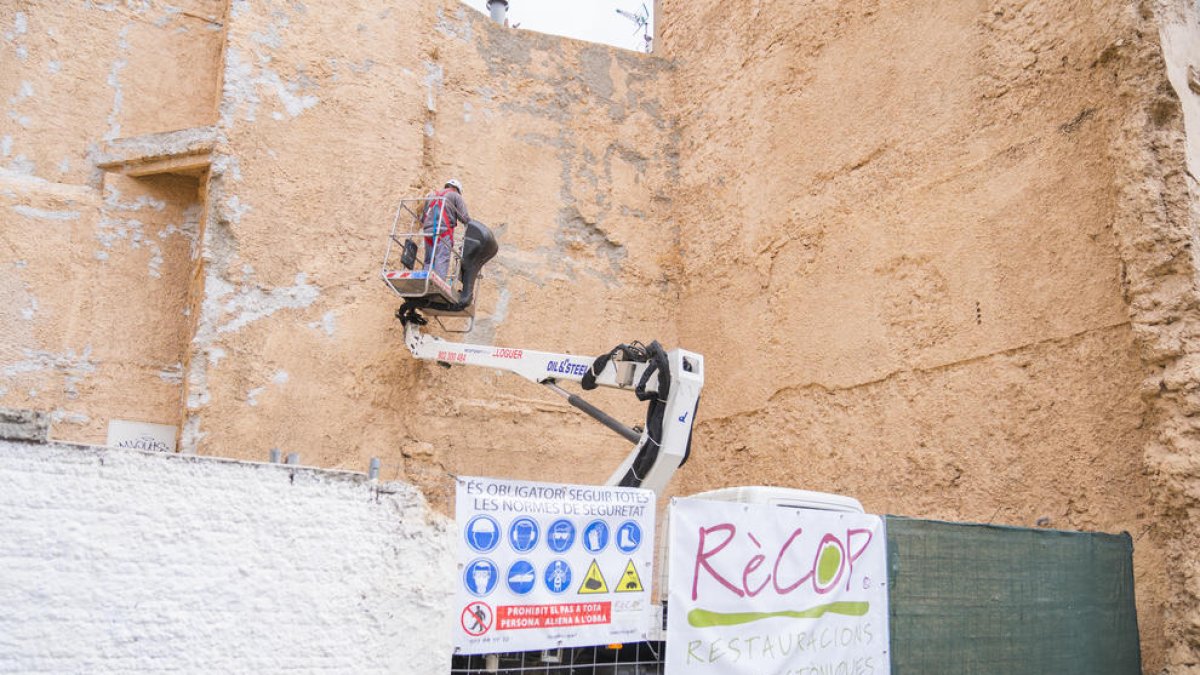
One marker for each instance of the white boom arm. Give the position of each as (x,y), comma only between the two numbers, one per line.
(645,466)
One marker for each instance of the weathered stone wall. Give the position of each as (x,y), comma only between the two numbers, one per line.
(328,119)
(123,561)
(234,302)
(920,211)
(94,269)
(937,255)
(1159,147)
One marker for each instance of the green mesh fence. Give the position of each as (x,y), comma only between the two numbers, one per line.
(970,598)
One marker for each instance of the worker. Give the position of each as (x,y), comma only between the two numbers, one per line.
(444,209)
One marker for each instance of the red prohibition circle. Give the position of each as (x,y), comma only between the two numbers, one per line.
(476,618)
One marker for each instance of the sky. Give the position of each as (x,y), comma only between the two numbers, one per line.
(593,20)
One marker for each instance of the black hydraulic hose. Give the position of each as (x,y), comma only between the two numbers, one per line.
(596,413)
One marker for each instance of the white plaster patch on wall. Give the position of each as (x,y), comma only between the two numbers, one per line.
(71,366)
(53,67)
(169,13)
(261,568)
(484,331)
(20,28)
(110,231)
(225,164)
(24,120)
(215,289)
(114,81)
(30,311)
(500,313)
(242,84)
(434,79)
(172,374)
(22,165)
(112,200)
(64,416)
(198,395)
(190,228)
(190,435)
(44,214)
(6,144)
(24,91)
(95,173)
(252,303)
(270,38)
(361,68)
(293,101)
(235,209)
(155,263)
(460,29)
(237,7)
(280,378)
(328,323)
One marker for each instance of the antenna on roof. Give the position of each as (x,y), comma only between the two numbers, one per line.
(642,19)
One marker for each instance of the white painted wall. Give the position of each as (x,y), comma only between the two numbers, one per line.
(120,560)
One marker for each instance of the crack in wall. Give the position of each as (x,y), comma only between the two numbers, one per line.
(1057,341)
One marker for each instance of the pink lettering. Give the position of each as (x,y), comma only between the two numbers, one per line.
(779,559)
(702,557)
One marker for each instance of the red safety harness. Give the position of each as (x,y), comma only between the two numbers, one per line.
(435,215)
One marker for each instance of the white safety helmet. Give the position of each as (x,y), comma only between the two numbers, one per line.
(453,182)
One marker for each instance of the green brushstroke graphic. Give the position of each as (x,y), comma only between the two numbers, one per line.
(703,618)
(829,561)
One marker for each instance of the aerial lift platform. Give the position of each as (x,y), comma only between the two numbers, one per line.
(409,274)
(669,381)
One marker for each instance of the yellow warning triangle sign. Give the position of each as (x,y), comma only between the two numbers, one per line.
(630,581)
(593,581)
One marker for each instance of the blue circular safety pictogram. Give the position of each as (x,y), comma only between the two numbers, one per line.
(521,577)
(482,533)
(629,537)
(595,536)
(480,577)
(557,576)
(523,534)
(560,535)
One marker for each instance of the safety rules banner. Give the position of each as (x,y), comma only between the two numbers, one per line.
(549,565)
(761,589)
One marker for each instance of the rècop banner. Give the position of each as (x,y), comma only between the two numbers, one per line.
(761,589)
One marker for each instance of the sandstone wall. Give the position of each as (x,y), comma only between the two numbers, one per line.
(1160,213)
(938,256)
(328,119)
(918,211)
(94,271)
(121,561)
(236,301)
